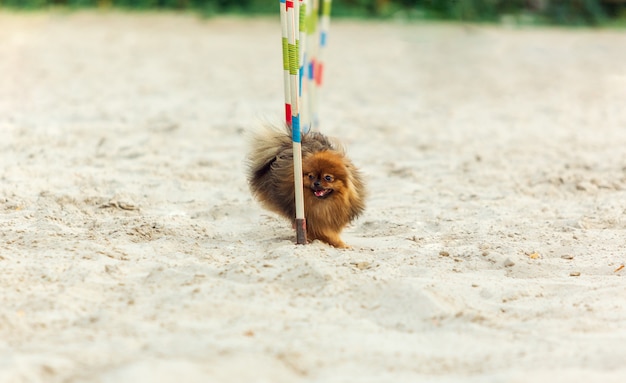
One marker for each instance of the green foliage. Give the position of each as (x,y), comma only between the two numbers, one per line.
(568,12)
(575,12)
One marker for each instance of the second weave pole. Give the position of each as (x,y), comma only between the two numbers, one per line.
(290,12)
(317,25)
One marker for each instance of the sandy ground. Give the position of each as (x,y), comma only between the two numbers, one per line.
(131,250)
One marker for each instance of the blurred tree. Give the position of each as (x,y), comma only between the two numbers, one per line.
(575,12)
(554,11)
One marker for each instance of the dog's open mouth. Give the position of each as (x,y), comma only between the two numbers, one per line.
(322,193)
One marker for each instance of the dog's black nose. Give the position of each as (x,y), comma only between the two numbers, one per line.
(317,183)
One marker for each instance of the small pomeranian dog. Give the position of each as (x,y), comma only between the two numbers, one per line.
(334,192)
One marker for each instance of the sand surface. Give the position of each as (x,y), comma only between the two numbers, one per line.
(132,251)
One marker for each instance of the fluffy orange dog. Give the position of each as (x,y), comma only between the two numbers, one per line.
(334,192)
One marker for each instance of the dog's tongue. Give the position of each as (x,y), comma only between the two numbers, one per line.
(320,193)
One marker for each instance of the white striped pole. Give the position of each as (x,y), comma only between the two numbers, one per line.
(324,25)
(312,50)
(285,44)
(305,10)
(293,32)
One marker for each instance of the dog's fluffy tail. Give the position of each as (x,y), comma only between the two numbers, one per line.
(265,143)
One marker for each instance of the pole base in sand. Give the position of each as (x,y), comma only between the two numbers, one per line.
(301,231)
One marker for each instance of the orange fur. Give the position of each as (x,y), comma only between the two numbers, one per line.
(326,170)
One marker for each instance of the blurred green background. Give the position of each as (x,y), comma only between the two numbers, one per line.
(565,12)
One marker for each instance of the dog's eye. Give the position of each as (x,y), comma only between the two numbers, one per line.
(311,176)
(328,178)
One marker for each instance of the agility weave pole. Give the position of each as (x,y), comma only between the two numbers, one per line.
(318,24)
(290,23)
(299,27)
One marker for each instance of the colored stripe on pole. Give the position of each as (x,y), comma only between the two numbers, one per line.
(311,69)
(293,59)
(295,123)
(288,114)
(319,70)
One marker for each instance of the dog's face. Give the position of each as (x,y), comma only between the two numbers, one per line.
(324,174)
